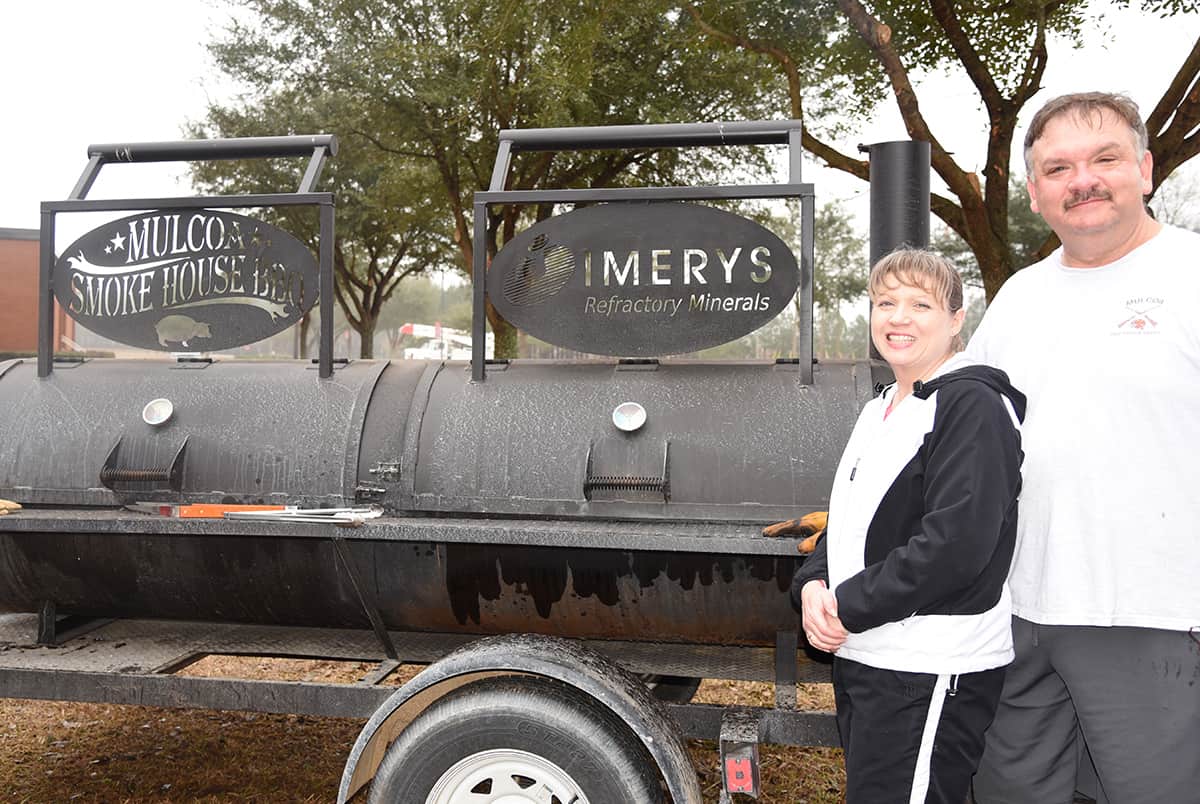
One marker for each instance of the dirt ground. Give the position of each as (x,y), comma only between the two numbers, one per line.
(54,752)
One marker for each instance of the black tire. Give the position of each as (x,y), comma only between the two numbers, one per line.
(505,735)
(672,689)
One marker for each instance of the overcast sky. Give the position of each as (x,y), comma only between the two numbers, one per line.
(78,72)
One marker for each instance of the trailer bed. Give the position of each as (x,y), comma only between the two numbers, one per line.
(137,662)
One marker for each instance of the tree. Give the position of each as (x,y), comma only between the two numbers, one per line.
(840,267)
(1177,200)
(388,222)
(1027,233)
(840,275)
(426,300)
(436,81)
(839,339)
(844,56)
(840,254)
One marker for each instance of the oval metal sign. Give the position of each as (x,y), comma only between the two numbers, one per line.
(639,280)
(186,280)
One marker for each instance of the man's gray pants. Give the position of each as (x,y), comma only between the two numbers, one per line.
(1132,693)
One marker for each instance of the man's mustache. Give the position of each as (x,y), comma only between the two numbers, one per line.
(1087,195)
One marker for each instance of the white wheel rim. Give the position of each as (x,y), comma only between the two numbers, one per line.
(505,776)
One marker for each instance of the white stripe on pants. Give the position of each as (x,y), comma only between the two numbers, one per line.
(925,754)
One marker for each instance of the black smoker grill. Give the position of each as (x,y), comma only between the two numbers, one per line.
(512,502)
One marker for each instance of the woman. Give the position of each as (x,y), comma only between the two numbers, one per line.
(907,588)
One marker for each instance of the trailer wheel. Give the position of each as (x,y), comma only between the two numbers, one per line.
(514,740)
(672,689)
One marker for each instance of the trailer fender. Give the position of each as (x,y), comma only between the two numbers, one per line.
(528,654)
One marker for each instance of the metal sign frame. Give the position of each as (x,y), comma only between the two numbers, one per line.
(671,135)
(317,147)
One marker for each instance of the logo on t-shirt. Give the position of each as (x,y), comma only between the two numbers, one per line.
(1140,317)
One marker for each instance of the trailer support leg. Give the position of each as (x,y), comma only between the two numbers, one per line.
(47,617)
(741,730)
(786,645)
(55,630)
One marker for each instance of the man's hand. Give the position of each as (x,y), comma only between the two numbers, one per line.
(821,624)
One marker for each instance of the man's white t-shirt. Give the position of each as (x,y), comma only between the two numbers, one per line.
(1109,358)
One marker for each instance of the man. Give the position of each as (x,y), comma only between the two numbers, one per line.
(1103,336)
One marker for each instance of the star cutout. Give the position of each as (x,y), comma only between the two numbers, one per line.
(118,242)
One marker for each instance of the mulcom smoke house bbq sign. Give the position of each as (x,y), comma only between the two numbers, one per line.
(638,280)
(195,280)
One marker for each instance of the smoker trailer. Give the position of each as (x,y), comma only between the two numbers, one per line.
(558,539)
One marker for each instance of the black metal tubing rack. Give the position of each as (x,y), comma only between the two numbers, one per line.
(670,135)
(318,148)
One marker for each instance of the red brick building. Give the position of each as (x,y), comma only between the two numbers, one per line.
(18,295)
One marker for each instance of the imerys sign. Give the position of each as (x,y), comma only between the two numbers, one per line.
(197,280)
(638,280)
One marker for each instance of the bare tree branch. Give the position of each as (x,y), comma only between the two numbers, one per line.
(1048,245)
(381,145)
(878,37)
(833,157)
(977,71)
(950,212)
(1180,140)
(1035,66)
(1184,78)
(777,53)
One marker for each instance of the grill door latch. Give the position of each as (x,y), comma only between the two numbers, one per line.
(662,484)
(114,473)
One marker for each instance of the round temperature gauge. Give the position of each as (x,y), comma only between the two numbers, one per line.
(157,411)
(628,416)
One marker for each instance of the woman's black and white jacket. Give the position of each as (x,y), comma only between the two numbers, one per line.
(922,525)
